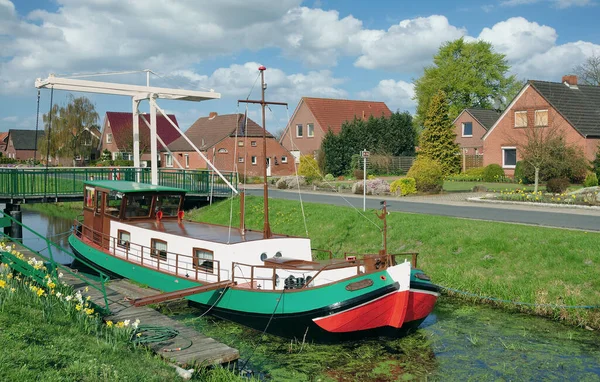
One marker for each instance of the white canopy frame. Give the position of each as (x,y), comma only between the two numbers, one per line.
(138,93)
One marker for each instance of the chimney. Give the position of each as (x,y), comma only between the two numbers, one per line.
(212,114)
(570,80)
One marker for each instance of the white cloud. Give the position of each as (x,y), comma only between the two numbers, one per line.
(561,4)
(409,45)
(518,38)
(396,94)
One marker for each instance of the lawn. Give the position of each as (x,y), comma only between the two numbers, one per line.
(507,261)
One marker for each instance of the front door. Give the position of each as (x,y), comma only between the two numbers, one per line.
(268,166)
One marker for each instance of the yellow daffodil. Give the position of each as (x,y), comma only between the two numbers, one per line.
(120,324)
(89,311)
(78,307)
(40,292)
(2,284)
(109,323)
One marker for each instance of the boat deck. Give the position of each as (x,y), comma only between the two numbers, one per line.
(201,231)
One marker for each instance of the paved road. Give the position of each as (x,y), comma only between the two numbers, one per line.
(588,220)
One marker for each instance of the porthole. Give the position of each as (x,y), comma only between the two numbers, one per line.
(263,256)
(278,254)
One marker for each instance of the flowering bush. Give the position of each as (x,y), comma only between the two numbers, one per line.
(580,197)
(374,187)
(405,185)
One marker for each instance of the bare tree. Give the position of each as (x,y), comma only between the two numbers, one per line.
(589,71)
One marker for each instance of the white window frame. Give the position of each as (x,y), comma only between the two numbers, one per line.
(109,138)
(187,160)
(299,130)
(284,159)
(463,130)
(535,118)
(240,159)
(168,160)
(526,122)
(503,156)
(310,130)
(253,143)
(240,143)
(253,159)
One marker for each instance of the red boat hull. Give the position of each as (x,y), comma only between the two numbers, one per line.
(392,310)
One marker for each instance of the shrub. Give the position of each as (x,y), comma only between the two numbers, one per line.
(371,177)
(493,173)
(309,168)
(591,180)
(520,173)
(557,185)
(405,185)
(374,187)
(475,171)
(427,174)
(358,174)
(329,177)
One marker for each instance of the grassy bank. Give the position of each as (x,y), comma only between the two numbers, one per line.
(51,333)
(67,210)
(507,261)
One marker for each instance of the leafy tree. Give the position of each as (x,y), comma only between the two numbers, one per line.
(471,74)
(70,134)
(589,71)
(437,140)
(393,136)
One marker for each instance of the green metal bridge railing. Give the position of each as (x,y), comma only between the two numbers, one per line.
(25,268)
(60,181)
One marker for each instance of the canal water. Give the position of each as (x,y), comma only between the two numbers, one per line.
(459,341)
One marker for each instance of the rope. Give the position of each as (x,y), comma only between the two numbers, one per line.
(51,236)
(297,177)
(160,334)
(265,330)
(530,304)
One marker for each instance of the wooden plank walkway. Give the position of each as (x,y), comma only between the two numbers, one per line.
(199,349)
(203,349)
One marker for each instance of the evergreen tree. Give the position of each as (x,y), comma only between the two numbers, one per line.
(596,163)
(437,140)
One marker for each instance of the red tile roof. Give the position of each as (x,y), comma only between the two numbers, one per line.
(331,113)
(206,131)
(122,128)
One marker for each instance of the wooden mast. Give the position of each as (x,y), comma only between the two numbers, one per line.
(267,227)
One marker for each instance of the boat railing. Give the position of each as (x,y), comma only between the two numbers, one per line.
(326,251)
(173,263)
(393,256)
(249,276)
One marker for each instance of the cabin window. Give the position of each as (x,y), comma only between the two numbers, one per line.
(310,129)
(203,260)
(158,249)
(138,206)
(168,204)
(253,143)
(123,239)
(90,193)
(113,203)
(99,202)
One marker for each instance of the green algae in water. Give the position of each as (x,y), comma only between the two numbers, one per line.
(458,341)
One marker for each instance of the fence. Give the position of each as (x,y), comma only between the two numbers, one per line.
(382,164)
(472,161)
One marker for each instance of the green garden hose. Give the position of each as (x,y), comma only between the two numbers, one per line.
(148,334)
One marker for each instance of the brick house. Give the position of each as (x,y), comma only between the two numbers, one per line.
(572,109)
(215,136)
(117,134)
(470,126)
(313,117)
(21,144)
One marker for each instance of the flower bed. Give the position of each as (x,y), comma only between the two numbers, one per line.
(580,198)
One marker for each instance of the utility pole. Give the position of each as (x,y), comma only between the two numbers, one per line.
(267,228)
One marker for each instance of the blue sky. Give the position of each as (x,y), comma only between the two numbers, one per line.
(324,48)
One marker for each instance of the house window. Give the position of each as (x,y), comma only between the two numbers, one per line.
(253,143)
(310,129)
(203,260)
(77,157)
(509,157)
(541,118)
(520,119)
(241,159)
(284,159)
(241,143)
(467,129)
(187,160)
(123,239)
(109,138)
(158,249)
(299,130)
(253,159)
(168,160)
(222,151)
